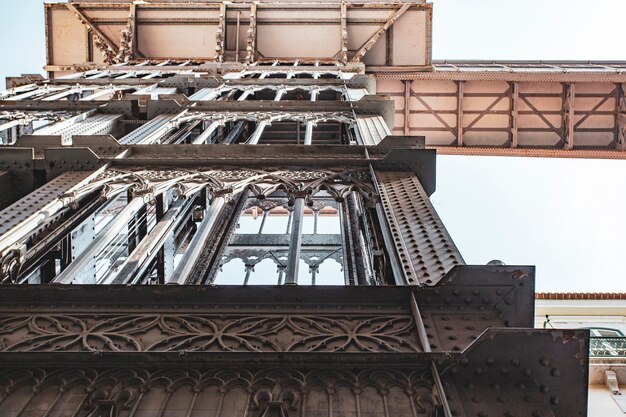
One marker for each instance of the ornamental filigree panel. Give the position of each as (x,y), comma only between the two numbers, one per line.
(208,333)
(223,392)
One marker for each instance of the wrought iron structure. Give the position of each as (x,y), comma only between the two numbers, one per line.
(172,213)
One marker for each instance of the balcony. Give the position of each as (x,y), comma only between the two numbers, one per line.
(602,347)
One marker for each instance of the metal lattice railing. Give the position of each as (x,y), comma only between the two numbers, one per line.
(607,346)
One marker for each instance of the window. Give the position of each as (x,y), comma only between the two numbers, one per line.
(605,332)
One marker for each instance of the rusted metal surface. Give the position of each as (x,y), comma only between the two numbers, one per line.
(424,246)
(496,376)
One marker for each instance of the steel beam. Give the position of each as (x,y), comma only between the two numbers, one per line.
(343,54)
(206,134)
(569,112)
(514,106)
(407,107)
(459,113)
(196,245)
(137,263)
(76,270)
(295,242)
(220,35)
(251,35)
(620,117)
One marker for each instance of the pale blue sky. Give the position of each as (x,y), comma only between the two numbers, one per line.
(568,217)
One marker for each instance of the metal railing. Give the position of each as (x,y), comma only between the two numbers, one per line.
(607,346)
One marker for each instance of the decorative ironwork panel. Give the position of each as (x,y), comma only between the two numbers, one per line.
(208,333)
(225,392)
(424,247)
(607,346)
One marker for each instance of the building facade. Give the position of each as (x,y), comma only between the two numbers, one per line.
(604,314)
(222,209)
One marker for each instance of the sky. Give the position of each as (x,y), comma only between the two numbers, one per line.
(567,217)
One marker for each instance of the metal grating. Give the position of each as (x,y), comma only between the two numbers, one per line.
(425,249)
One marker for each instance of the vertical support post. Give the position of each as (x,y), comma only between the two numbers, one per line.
(256,135)
(568,115)
(308,133)
(234,134)
(407,108)
(262,221)
(289,217)
(237,36)
(221,34)
(206,134)
(389,46)
(295,242)
(80,239)
(459,114)
(514,99)
(620,117)
(196,246)
(133,30)
(251,40)
(281,274)
(344,33)
(75,271)
(422,334)
(280,93)
(249,269)
(398,272)
(348,248)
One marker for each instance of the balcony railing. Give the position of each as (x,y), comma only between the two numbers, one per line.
(607,346)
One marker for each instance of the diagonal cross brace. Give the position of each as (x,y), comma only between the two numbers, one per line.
(89,24)
(372,40)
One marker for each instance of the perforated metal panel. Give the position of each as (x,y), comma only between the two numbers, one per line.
(98,124)
(425,249)
(38,199)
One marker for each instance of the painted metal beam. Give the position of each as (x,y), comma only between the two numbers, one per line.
(251,35)
(569,110)
(343,54)
(220,34)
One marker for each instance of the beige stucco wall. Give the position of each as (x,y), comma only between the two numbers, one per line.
(601,404)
